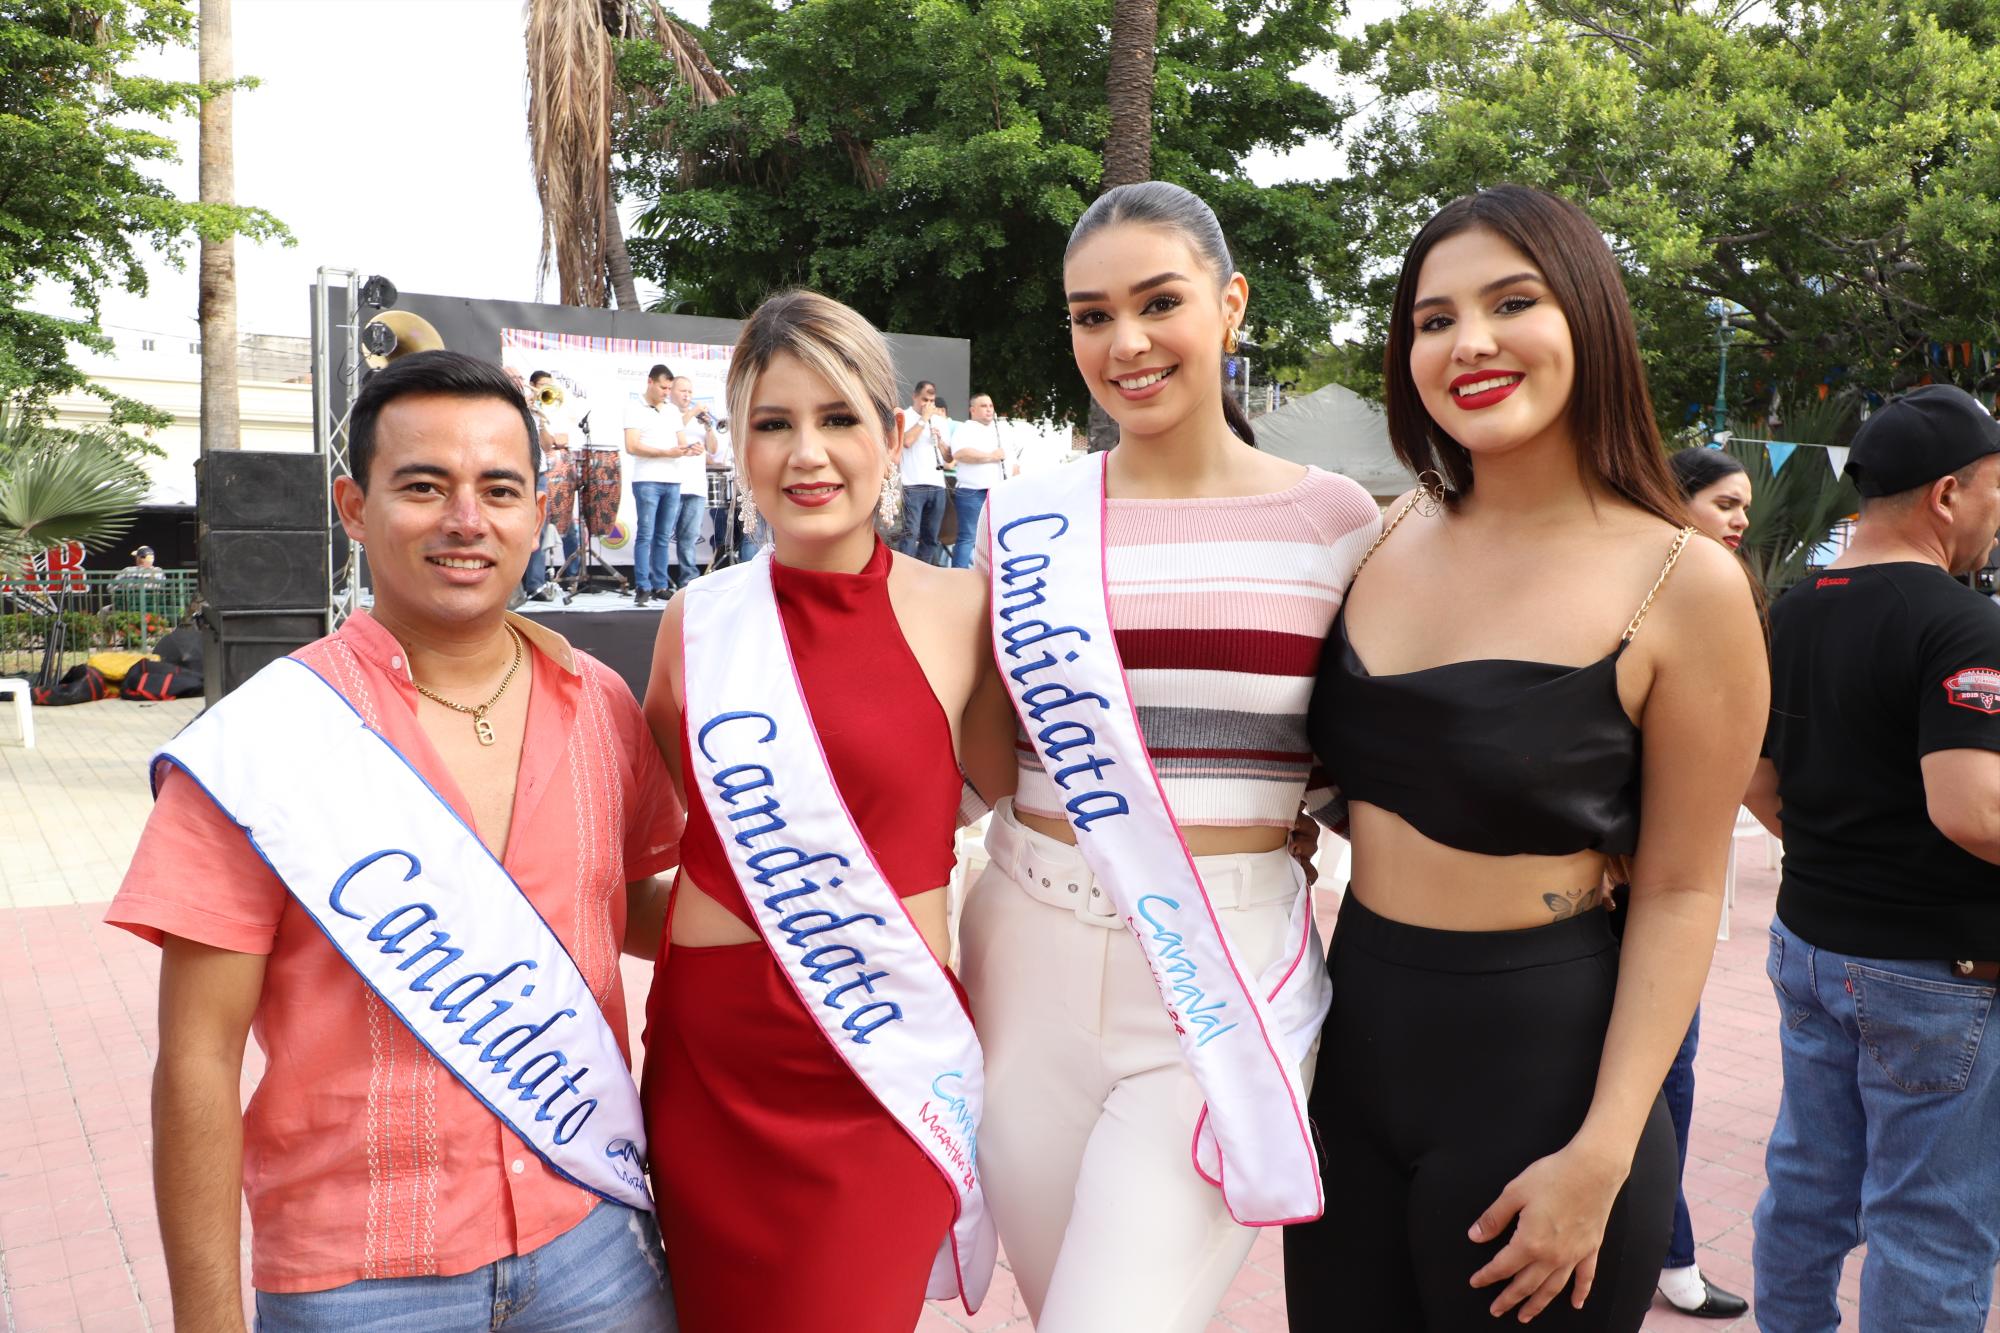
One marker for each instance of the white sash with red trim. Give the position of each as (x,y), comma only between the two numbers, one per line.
(434,925)
(840,934)
(1243,1038)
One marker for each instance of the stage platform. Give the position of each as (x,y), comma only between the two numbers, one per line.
(609,628)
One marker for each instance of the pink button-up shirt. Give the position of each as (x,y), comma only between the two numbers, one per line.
(362,1156)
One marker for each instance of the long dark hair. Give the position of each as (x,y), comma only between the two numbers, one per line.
(1610,409)
(1162,204)
(1696,468)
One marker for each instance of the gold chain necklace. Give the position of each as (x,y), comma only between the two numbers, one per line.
(480,726)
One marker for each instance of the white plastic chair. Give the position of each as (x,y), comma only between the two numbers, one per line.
(24,704)
(1746,827)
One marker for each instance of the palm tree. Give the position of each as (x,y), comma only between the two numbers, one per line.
(572,95)
(61,486)
(1128,92)
(220,413)
(1128,147)
(1794,511)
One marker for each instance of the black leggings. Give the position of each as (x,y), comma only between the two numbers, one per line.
(1449,1062)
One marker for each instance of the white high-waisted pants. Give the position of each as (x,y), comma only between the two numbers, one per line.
(1085,1144)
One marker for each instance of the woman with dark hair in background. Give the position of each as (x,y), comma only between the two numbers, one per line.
(1717,491)
(1144,998)
(1489,1109)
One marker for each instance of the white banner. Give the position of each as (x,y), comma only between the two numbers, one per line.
(840,934)
(413,900)
(1243,1040)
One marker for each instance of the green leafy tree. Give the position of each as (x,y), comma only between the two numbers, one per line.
(923,160)
(77,205)
(1830,170)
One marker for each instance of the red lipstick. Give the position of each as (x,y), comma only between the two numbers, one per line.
(1472,402)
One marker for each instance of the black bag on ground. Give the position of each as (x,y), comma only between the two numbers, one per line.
(181,648)
(81,684)
(160,680)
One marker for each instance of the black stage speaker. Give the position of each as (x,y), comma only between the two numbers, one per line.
(265,543)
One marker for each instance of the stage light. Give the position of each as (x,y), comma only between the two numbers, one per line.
(378,340)
(378,293)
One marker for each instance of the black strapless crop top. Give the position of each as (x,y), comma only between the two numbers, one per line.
(1498,757)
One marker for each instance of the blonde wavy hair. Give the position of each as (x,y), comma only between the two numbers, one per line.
(832,341)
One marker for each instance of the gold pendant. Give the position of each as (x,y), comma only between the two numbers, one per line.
(485,730)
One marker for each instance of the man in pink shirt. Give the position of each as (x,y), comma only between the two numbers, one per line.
(384,1191)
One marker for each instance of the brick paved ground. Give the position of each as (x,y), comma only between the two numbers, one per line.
(79,1247)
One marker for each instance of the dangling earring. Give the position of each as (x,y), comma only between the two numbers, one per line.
(1430,493)
(1229,340)
(746,503)
(889,507)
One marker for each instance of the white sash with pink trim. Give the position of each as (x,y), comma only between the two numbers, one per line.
(1243,1038)
(840,934)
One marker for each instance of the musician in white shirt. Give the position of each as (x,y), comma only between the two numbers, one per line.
(698,444)
(979,463)
(920,429)
(652,437)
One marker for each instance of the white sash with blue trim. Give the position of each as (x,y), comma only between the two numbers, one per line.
(424,913)
(841,936)
(1243,1038)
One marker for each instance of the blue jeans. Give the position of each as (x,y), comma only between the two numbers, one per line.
(537,572)
(687,534)
(966,504)
(1887,1133)
(657,503)
(605,1273)
(1679,1092)
(923,515)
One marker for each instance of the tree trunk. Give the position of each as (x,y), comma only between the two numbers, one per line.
(617,263)
(1128,148)
(1128,89)
(220,426)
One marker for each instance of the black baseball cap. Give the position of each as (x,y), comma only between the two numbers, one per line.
(1914,439)
(142,550)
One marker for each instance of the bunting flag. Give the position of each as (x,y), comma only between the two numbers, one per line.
(1836,456)
(1780,455)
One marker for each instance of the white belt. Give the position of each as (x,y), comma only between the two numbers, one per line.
(1056,873)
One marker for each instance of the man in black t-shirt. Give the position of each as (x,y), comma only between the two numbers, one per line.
(1882,774)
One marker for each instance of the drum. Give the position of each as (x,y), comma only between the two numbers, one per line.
(721,488)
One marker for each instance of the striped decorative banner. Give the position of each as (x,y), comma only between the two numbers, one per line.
(537,340)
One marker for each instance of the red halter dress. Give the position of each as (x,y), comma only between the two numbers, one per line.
(789,1200)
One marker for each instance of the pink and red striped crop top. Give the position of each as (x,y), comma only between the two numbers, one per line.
(1221,608)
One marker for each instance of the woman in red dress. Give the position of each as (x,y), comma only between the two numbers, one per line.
(788,1197)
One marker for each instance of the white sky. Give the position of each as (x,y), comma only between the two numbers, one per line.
(391,137)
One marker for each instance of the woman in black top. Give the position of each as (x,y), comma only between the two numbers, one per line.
(1489,1106)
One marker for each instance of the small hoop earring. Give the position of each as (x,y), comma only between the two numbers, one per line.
(1229,340)
(1430,492)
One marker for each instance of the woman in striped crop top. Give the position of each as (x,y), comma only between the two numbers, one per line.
(1222,569)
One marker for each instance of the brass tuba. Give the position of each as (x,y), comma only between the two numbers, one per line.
(398,333)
